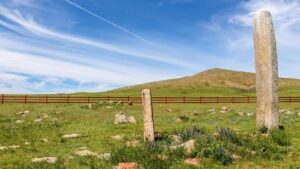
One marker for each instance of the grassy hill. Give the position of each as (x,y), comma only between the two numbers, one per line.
(212,82)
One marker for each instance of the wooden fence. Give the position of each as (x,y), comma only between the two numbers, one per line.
(26,99)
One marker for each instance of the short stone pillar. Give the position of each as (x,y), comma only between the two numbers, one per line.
(148,115)
(266,70)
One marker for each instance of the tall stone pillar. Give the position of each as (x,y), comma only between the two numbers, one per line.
(148,115)
(266,70)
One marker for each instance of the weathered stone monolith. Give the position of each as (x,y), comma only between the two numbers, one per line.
(148,115)
(266,70)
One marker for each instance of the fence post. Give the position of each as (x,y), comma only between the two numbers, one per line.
(183,99)
(266,70)
(68,99)
(166,100)
(2,99)
(290,99)
(248,99)
(46,99)
(233,101)
(89,99)
(217,99)
(108,98)
(148,115)
(25,99)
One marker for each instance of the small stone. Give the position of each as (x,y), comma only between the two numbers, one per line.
(169,110)
(250,114)
(299,114)
(120,117)
(162,157)
(105,156)
(241,113)
(289,112)
(26,143)
(195,113)
(192,161)
(224,109)
(117,137)
(131,119)
(178,120)
(236,157)
(46,116)
(87,153)
(211,110)
(38,120)
(132,143)
(13,147)
(49,160)
(45,140)
(130,103)
(71,136)
(58,113)
(176,139)
(120,102)
(189,146)
(20,121)
(283,110)
(108,107)
(265,135)
(110,102)
(128,166)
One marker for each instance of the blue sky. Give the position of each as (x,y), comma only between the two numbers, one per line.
(62,46)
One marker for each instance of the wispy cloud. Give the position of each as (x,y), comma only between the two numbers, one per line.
(109,22)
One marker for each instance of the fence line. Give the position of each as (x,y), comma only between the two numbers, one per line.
(27,99)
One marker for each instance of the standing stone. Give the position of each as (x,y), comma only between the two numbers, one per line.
(148,115)
(266,70)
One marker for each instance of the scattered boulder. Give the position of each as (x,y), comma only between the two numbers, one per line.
(299,114)
(213,111)
(45,116)
(58,113)
(195,113)
(169,110)
(289,112)
(176,139)
(72,136)
(130,103)
(20,121)
(24,113)
(49,160)
(132,143)
(13,147)
(130,165)
(189,146)
(192,161)
(87,153)
(120,117)
(105,156)
(117,137)
(250,114)
(283,110)
(45,140)
(131,119)
(110,102)
(224,109)
(38,120)
(241,113)
(162,157)
(108,107)
(178,120)
(27,143)
(236,157)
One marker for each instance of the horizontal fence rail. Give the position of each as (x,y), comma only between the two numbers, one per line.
(133,99)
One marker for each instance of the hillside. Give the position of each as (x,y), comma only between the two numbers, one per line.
(212,82)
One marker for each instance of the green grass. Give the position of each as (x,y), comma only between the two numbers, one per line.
(98,124)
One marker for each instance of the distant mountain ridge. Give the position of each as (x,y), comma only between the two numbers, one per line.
(210,82)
